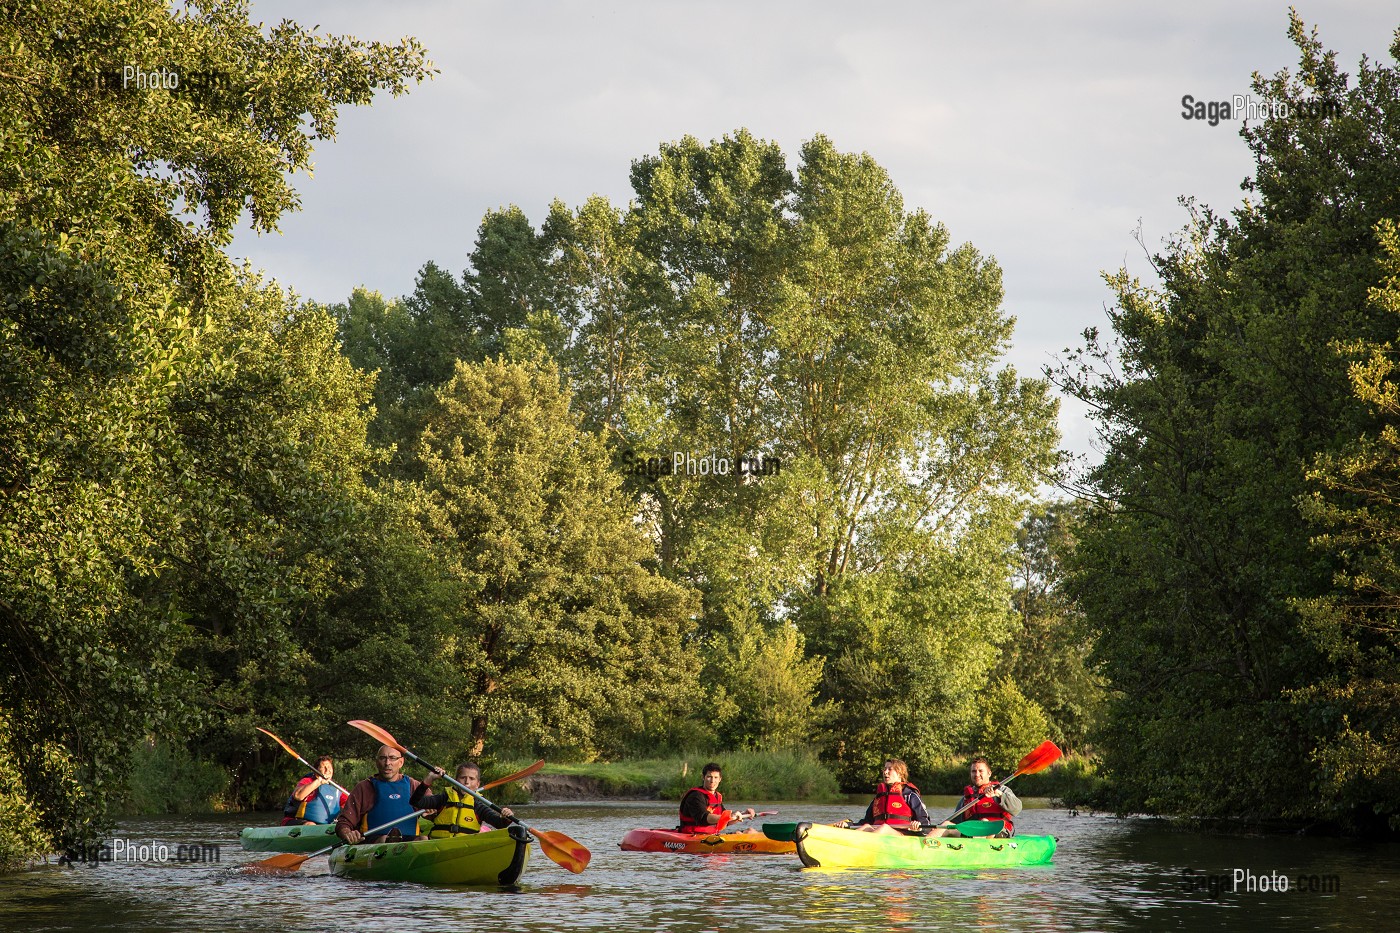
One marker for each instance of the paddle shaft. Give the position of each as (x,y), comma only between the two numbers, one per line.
(369,832)
(291,751)
(464,788)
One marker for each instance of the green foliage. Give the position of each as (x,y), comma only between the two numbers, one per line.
(1010,725)
(555,607)
(1048,656)
(25,838)
(1358,626)
(121,358)
(165,778)
(1224,386)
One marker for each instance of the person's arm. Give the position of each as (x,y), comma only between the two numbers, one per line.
(422,800)
(488,817)
(1010,802)
(307,786)
(916,807)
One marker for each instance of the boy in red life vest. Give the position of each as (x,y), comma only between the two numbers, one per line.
(990,801)
(897,807)
(702,808)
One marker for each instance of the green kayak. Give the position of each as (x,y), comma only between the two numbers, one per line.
(491,858)
(302,838)
(288,838)
(821,846)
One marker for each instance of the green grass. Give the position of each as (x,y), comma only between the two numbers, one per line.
(1071,782)
(784,774)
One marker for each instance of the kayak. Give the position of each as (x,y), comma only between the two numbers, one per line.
(288,838)
(295,838)
(494,858)
(820,846)
(666,840)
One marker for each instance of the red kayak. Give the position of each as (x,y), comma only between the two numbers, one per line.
(666,840)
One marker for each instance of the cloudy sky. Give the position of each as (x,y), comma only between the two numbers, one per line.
(1042,132)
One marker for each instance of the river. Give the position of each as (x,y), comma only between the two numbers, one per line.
(1108,874)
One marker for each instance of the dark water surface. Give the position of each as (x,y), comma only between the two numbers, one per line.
(1108,874)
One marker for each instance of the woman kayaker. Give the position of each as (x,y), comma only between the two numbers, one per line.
(315,799)
(897,805)
(984,799)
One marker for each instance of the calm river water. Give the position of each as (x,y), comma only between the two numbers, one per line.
(1108,874)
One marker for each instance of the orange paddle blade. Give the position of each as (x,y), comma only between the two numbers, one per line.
(1044,755)
(290,751)
(287,861)
(374,732)
(524,773)
(562,850)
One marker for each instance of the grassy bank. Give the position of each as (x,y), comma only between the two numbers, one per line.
(1073,782)
(166,780)
(784,774)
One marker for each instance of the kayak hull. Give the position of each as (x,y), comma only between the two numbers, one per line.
(295,838)
(665,840)
(288,838)
(490,858)
(820,846)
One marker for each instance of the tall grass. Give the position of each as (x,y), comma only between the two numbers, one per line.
(783,774)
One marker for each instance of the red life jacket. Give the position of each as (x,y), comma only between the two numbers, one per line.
(714,804)
(986,808)
(890,807)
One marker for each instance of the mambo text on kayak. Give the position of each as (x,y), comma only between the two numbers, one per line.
(118,849)
(709,465)
(1244,106)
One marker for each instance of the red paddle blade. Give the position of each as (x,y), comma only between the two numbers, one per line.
(563,851)
(290,751)
(287,861)
(376,733)
(1044,755)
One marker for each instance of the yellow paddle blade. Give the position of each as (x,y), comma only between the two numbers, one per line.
(376,733)
(563,851)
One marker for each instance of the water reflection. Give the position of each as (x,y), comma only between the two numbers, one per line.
(1107,875)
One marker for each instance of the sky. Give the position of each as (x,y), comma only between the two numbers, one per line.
(1044,133)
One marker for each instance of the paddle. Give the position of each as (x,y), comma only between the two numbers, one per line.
(981,827)
(1043,756)
(516,776)
(561,849)
(741,819)
(291,751)
(290,861)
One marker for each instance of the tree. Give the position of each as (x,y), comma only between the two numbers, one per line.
(114,204)
(1047,658)
(743,312)
(1223,388)
(555,608)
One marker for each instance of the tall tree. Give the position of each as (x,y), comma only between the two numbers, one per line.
(1226,386)
(556,607)
(114,204)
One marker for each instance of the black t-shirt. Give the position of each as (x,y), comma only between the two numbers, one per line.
(696,806)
